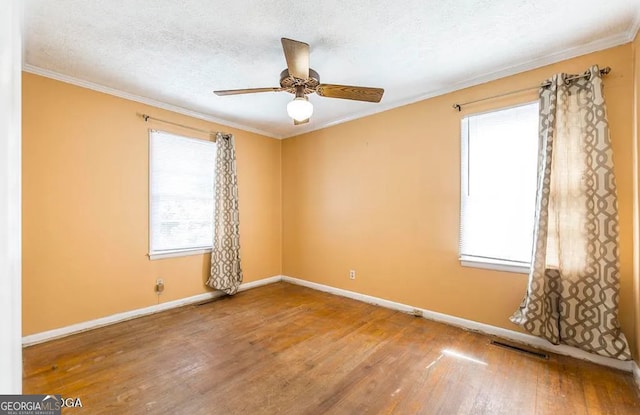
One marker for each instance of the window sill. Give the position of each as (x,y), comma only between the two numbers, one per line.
(172,254)
(495,264)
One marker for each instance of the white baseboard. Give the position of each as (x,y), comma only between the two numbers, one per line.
(526,339)
(128,315)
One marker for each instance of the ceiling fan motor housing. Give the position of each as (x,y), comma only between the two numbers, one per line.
(290,83)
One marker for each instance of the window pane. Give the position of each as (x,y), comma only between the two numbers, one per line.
(499,183)
(181,192)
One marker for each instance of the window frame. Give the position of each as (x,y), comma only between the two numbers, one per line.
(472,260)
(173,253)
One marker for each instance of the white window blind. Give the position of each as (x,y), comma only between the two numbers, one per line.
(499,178)
(181,191)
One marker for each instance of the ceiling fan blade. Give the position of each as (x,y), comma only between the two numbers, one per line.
(357,93)
(246,91)
(297,56)
(296,122)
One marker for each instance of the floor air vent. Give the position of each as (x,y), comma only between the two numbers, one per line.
(520,349)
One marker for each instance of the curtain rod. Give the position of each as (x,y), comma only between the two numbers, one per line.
(146,118)
(603,71)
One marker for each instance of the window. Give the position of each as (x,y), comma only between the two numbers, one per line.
(181,190)
(499,179)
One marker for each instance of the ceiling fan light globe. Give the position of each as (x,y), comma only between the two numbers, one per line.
(300,108)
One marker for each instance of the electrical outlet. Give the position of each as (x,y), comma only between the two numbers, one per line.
(159,286)
(352,274)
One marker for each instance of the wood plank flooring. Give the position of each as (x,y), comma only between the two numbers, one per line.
(285,349)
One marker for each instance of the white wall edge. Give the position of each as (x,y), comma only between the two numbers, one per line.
(44,336)
(137,98)
(11,27)
(522,338)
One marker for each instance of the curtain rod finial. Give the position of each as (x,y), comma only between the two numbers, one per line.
(457,107)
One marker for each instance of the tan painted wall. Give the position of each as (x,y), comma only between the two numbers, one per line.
(381,195)
(85,201)
(636,273)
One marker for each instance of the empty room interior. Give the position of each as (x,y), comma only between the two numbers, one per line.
(295,207)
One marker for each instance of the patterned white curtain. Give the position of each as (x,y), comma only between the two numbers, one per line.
(226,272)
(572,295)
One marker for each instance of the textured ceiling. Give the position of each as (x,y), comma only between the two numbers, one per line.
(177,52)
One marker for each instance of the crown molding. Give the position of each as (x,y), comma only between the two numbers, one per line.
(635,27)
(36,70)
(566,54)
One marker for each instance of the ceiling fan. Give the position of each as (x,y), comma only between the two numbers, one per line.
(299,79)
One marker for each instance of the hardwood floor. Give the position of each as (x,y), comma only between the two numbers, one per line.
(285,349)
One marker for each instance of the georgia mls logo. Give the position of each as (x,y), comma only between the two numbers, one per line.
(31,405)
